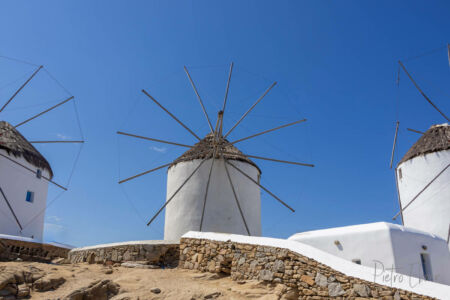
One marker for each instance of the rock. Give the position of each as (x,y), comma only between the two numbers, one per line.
(307,292)
(397,295)
(212,295)
(278,266)
(266,275)
(139,266)
(97,290)
(307,279)
(361,290)
(60,261)
(6,278)
(290,295)
(321,280)
(23,291)
(108,271)
(50,282)
(155,290)
(90,258)
(335,289)
(7,291)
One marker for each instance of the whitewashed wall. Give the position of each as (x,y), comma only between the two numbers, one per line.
(15,182)
(430,212)
(385,246)
(221,212)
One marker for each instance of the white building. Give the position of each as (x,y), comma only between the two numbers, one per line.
(385,247)
(423,178)
(221,212)
(22,169)
(420,247)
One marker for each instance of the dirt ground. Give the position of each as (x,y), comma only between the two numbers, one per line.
(137,283)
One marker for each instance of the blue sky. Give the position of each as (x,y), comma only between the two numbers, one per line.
(335,64)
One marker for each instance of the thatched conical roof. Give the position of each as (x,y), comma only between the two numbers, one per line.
(14,143)
(435,139)
(203,149)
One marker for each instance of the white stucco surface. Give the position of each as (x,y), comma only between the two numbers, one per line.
(221,211)
(15,182)
(396,280)
(147,242)
(434,203)
(384,245)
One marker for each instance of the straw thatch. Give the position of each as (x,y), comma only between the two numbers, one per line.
(14,143)
(435,139)
(204,149)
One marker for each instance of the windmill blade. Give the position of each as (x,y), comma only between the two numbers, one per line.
(53,142)
(227,89)
(416,131)
(267,131)
(144,173)
(34,172)
(199,99)
(276,160)
(176,192)
(21,87)
(448,53)
(10,208)
(170,114)
(250,109)
(421,191)
(155,169)
(207,188)
(394,145)
(236,197)
(45,111)
(152,139)
(421,92)
(251,179)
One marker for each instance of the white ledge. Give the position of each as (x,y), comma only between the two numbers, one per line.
(149,242)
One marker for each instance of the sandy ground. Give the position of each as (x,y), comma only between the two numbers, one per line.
(138,283)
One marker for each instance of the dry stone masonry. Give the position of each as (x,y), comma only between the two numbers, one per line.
(160,253)
(304,276)
(30,251)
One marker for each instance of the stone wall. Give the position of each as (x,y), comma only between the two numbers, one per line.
(304,277)
(161,253)
(30,251)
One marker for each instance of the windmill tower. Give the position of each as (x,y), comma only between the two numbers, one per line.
(26,190)
(423,178)
(423,175)
(24,175)
(213,186)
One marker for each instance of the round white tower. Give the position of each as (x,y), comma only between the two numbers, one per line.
(220,211)
(23,190)
(423,178)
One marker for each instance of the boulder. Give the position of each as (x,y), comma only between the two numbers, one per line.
(96,290)
(49,282)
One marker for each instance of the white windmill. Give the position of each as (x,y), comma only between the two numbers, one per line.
(24,175)
(213,186)
(423,175)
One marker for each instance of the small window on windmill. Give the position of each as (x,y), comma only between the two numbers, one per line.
(426,266)
(39,173)
(356,261)
(30,197)
(400,175)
